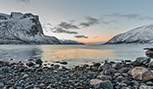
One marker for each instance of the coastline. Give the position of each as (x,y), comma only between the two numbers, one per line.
(126,74)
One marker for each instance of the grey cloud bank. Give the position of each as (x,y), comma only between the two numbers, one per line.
(60,30)
(129,16)
(81,36)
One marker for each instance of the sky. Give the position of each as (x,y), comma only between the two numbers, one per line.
(84,20)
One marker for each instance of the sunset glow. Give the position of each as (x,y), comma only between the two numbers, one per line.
(81,20)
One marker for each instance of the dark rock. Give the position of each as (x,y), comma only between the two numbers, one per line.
(96,64)
(11,59)
(52,65)
(91,75)
(127,60)
(128,82)
(100,68)
(142,60)
(39,61)
(63,63)
(4,69)
(135,83)
(110,71)
(104,85)
(57,62)
(21,70)
(149,52)
(39,70)
(30,59)
(56,66)
(112,62)
(117,66)
(30,64)
(104,77)
(106,66)
(124,70)
(85,65)
(117,74)
(120,78)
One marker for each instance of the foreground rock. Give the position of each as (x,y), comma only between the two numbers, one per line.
(99,84)
(19,28)
(140,73)
(142,60)
(107,75)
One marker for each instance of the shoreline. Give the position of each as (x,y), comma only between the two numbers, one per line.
(125,74)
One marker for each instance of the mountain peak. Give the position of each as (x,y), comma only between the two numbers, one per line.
(143,34)
(21,28)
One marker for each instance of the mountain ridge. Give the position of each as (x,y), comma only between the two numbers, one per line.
(19,28)
(142,34)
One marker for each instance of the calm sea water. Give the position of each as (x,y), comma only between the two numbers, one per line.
(73,54)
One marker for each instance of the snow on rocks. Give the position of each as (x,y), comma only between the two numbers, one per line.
(21,28)
(143,34)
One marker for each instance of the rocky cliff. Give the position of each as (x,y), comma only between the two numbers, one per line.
(19,28)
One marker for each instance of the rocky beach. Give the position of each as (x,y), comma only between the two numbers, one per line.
(34,74)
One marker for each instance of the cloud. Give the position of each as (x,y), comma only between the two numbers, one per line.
(81,36)
(60,30)
(24,1)
(108,22)
(130,16)
(66,25)
(89,21)
(92,21)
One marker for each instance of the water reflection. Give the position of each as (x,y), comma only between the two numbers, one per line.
(74,54)
(20,52)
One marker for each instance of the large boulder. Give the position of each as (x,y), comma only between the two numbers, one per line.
(142,60)
(99,84)
(141,73)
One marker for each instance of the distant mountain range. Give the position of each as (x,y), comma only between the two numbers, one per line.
(95,43)
(70,42)
(143,34)
(19,28)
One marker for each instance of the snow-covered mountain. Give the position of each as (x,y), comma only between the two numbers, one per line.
(19,28)
(143,34)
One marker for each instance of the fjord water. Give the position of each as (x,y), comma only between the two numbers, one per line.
(73,54)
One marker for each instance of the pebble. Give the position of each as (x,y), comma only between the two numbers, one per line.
(39,61)
(63,63)
(104,77)
(110,75)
